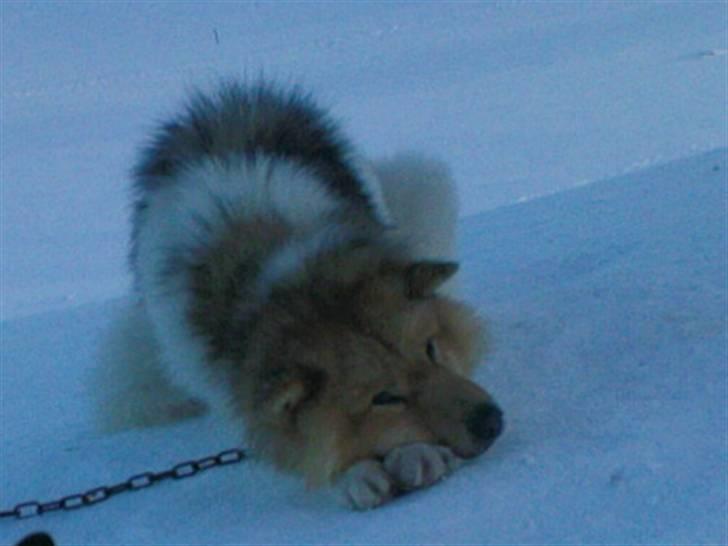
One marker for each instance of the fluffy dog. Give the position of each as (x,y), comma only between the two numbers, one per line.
(286,282)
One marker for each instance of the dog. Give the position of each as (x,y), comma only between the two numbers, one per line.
(303,292)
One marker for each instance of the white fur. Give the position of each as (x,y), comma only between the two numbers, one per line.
(286,261)
(420,465)
(190,215)
(130,385)
(365,485)
(421,198)
(152,347)
(370,483)
(372,187)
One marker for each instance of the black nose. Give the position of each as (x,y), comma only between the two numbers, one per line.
(485,422)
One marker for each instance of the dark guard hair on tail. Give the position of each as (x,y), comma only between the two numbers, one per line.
(246,121)
(243,121)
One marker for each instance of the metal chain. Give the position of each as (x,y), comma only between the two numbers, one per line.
(180,471)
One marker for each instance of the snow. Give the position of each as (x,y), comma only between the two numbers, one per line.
(590,144)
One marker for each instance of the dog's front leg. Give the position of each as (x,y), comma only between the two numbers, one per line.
(417,465)
(365,485)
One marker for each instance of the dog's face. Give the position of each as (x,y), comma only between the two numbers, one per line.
(394,370)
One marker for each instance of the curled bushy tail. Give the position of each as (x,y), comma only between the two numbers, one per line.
(421,200)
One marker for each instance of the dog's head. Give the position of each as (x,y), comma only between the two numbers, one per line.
(381,364)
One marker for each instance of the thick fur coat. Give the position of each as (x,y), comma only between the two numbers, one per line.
(302,292)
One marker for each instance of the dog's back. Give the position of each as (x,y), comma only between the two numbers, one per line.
(251,121)
(255,126)
(232,196)
(262,172)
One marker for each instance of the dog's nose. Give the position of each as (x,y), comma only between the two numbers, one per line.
(485,423)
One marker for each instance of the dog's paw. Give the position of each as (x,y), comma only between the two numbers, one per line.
(419,465)
(365,485)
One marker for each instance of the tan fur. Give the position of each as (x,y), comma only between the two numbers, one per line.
(304,366)
(274,261)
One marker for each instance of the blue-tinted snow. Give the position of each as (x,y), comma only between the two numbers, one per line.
(607,302)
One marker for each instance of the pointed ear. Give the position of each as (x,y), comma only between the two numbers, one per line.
(423,278)
(291,389)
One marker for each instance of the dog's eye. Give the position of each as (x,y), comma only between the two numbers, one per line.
(385,398)
(431,350)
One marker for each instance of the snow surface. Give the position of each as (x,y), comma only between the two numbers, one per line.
(608,302)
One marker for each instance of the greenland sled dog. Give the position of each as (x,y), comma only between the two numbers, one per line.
(304,293)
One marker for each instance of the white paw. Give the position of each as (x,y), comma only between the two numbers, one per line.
(419,465)
(365,485)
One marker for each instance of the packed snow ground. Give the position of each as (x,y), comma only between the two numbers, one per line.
(607,302)
(608,306)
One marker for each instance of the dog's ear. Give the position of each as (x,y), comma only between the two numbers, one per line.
(291,388)
(423,278)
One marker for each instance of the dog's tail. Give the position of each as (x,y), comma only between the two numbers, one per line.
(421,201)
(129,384)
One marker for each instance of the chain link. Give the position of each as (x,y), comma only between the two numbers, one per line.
(179,471)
